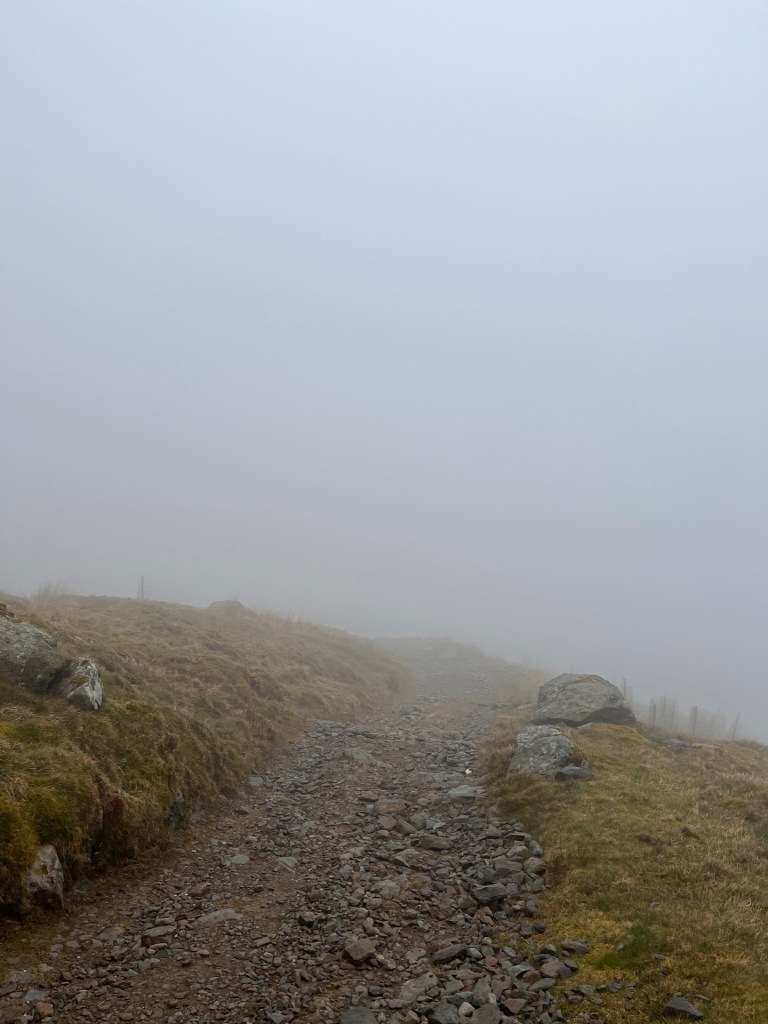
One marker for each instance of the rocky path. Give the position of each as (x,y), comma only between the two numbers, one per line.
(362,880)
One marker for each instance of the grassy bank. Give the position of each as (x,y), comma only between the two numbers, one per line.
(195,699)
(661,862)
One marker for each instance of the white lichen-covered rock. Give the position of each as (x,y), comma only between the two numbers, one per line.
(540,750)
(578,699)
(44,882)
(82,685)
(29,656)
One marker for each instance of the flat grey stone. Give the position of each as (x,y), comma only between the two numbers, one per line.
(359,950)
(449,953)
(678,1006)
(416,987)
(358,1015)
(487,1014)
(217,916)
(462,793)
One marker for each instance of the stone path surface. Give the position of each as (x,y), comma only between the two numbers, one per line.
(361,880)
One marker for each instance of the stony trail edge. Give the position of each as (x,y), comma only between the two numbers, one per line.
(361,880)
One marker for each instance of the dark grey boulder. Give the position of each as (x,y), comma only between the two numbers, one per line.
(578,699)
(540,750)
(29,656)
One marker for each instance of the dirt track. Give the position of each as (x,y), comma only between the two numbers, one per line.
(326,889)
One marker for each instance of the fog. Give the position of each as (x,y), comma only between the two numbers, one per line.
(411,318)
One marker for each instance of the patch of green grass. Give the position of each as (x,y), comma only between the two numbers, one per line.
(194,701)
(645,941)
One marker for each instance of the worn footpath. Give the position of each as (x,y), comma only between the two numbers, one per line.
(361,880)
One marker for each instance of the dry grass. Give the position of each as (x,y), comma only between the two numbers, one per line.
(194,701)
(661,862)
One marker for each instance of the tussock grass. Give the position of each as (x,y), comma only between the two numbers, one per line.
(194,701)
(661,863)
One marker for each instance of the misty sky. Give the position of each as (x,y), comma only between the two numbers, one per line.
(410,317)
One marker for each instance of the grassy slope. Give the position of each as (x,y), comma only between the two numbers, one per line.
(194,701)
(661,862)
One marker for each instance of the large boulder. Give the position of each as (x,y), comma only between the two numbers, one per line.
(577,699)
(29,656)
(44,882)
(81,684)
(540,750)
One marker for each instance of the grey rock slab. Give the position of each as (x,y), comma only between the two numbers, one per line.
(578,699)
(35,995)
(464,793)
(217,916)
(678,1006)
(435,843)
(388,889)
(576,946)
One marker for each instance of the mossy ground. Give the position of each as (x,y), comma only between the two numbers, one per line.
(195,699)
(661,863)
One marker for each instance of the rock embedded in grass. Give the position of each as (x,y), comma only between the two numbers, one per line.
(540,750)
(81,684)
(44,882)
(678,1006)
